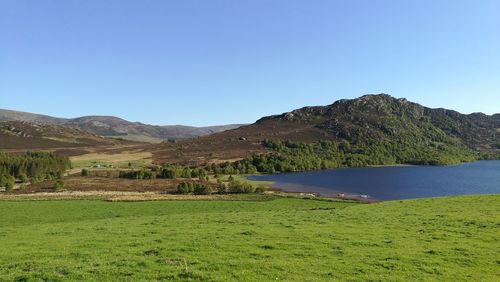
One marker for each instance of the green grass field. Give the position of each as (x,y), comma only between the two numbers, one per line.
(282,239)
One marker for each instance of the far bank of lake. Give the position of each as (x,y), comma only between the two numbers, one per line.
(395,182)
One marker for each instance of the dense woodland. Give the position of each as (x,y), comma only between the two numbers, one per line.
(291,156)
(31,167)
(165,172)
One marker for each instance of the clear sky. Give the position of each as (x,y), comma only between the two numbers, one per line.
(200,62)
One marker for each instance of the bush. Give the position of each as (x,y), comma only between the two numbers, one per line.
(85,172)
(185,188)
(239,187)
(9,185)
(221,189)
(196,188)
(23,177)
(261,189)
(200,189)
(3,180)
(137,174)
(58,185)
(35,180)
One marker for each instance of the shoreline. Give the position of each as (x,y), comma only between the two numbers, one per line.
(403,182)
(330,195)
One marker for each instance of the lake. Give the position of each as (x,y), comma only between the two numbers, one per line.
(395,182)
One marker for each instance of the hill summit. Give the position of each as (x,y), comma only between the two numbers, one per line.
(400,130)
(384,117)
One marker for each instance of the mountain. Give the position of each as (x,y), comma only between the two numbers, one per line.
(22,135)
(406,132)
(383,117)
(8,115)
(118,128)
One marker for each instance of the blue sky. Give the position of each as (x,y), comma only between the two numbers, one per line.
(234,61)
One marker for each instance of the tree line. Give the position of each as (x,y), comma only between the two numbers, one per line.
(31,167)
(290,156)
(232,186)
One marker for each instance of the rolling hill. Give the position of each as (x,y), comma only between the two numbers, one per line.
(114,127)
(22,136)
(362,122)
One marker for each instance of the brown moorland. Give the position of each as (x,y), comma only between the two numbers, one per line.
(80,183)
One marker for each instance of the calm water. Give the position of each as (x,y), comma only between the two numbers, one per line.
(393,183)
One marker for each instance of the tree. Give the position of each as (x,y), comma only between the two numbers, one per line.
(38,165)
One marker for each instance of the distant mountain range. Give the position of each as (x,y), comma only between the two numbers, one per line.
(22,135)
(110,126)
(372,125)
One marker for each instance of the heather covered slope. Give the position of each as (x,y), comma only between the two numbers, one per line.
(29,135)
(397,126)
(382,117)
(116,127)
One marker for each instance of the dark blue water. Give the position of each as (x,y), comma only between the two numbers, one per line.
(393,183)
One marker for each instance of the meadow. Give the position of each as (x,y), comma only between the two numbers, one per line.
(118,160)
(255,239)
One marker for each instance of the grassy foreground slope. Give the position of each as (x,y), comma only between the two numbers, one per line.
(283,239)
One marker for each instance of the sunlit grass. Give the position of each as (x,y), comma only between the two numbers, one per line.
(120,160)
(284,239)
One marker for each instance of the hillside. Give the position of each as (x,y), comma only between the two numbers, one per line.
(382,117)
(118,128)
(19,135)
(381,120)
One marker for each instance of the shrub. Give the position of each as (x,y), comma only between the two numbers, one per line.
(260,189)
(85,172)
(200,189)
(3,180)
(137,174)
(23,177)
(221,189)
(9,185)
(239,187)
(58,185)
(185,188)
(196,188)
